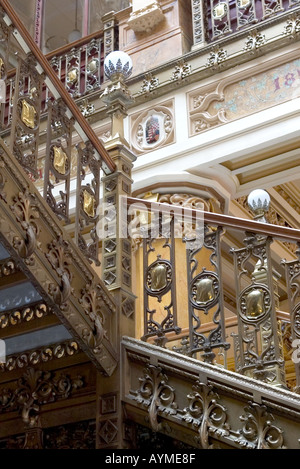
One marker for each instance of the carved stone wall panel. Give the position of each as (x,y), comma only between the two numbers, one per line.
(153,128)
(240,95)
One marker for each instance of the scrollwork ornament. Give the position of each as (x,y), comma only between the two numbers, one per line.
(26,214)
(58,256)
(259,431)
(157,395)
(292,27)
(205,412)
(296,320)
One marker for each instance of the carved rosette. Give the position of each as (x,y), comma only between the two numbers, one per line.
(155,394)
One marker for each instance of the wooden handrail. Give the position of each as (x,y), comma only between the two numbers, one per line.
(217,219)
(108,166)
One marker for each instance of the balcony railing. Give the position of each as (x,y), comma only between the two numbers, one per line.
(79,66)
(216,19)
(214,287)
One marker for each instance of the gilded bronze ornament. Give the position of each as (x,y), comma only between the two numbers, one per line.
(28,114)
(88,202)
(26,111)
(59,160)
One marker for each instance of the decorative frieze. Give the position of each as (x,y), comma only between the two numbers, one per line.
(239,95)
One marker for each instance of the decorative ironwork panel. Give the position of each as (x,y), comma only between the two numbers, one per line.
(199,21)
(258,345)
(80,68)
(206,296)
(270,7)
(58,160)
(26,114)
(160,312)
(88,200)
(93,65)
(292,269)
(220,18)
(72,72)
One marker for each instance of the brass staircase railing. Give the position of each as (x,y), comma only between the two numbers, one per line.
(216,288)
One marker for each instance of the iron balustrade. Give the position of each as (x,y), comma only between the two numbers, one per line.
(215,288)
(58,148)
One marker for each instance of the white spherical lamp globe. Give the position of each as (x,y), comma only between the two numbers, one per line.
(118,65)
(259,200)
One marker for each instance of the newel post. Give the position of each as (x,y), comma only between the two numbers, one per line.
(113,432)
